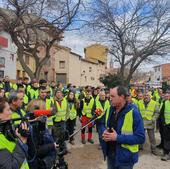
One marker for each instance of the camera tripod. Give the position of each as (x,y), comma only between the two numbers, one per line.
(60,152)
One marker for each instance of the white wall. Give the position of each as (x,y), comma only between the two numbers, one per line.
(9,54)
(157,74)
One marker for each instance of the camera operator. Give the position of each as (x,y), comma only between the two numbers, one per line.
(41,146)
(59,132)
(12,144)
(60,117)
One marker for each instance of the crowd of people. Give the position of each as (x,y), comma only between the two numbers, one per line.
(126,115)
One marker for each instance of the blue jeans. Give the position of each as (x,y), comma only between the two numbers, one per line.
(111,165)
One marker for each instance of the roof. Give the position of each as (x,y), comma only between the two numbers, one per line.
(76,54)
(93,61)
(96,44)
(161,65)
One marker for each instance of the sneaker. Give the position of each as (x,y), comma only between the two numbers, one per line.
(156,153)
(83,141)
(166,157)
(91,141)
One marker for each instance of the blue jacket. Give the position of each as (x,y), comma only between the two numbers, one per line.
(122,155)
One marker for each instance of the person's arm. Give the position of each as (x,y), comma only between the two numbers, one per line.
(12,160)
(156,112)
(93,108)
(80,108)
(138,136)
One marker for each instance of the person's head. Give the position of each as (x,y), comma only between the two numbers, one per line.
(19,80)
(26,80)
(95,92)
(147,96)
(87,88)
(5,112)
(160,91)
(21,88)
(48,92)
(58,94)
(107,94)
(69,86)
(88,94)
(140,95)
(43,82)
(118,96)
(167,95)
(16,99)
(129,99)
(59,85)
(6,79)
(2,92)
(71,95)
(35,83)
(53,84)
(98,89)
(42,92)
(102,95)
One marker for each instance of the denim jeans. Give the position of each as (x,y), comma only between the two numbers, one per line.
(111,165)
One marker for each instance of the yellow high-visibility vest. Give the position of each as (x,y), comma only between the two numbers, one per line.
(61,111)
(10,146)
(16,115)
(147,113)
(127,129)
(167,112)
(48,103)
(87,108)
(99,106)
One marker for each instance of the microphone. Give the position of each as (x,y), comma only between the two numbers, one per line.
(98,112)
(38,113)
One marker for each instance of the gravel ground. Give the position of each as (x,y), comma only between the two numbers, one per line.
(90,157)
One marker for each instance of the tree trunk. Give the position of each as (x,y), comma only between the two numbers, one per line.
(20,54)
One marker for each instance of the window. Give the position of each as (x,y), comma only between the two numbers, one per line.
(92,78)
(27,59)
(18,74)
(23,74)
(62,64)
(90,69)
(2,61)
(1,73)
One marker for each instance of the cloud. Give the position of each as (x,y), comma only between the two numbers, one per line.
(76,42)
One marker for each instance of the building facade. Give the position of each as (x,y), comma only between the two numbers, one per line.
(162,72)
(72,68)
(66,66)
(7,56)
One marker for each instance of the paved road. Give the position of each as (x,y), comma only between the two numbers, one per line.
(90,157)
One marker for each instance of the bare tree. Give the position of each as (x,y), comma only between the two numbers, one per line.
(137,31)
(34,24)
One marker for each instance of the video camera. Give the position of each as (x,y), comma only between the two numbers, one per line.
(8,127)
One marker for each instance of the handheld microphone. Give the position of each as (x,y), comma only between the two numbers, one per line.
(38,113)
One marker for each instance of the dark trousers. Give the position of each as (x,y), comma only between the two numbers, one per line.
(98,126)
(166,138)
(160,125)
(70,126)
(111,165)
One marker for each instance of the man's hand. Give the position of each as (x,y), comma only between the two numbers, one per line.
(109,135)
(24,127)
